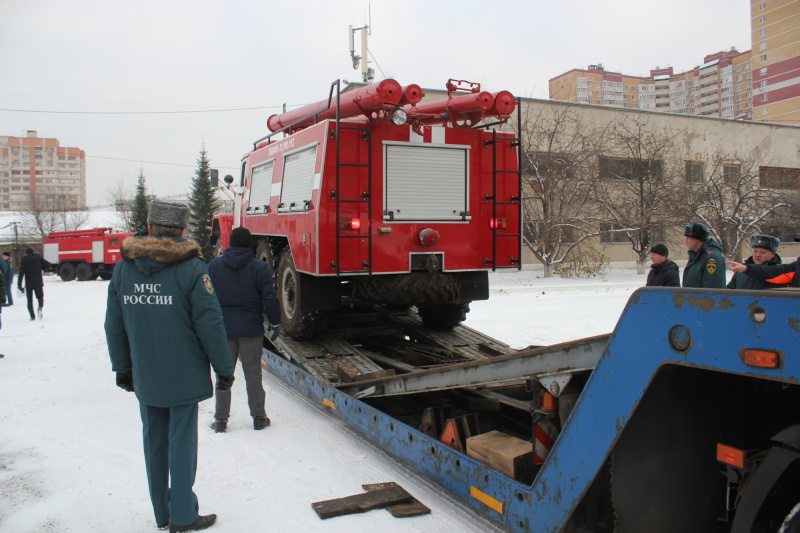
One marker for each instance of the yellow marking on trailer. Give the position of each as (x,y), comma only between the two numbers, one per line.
(329,403)
(488,500)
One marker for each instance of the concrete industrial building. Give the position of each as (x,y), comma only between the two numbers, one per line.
(760,84)
(39,173)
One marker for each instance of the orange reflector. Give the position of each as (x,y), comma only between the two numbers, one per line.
(498,223)
(761,358)
(548,403)
(349,223)
(731,456)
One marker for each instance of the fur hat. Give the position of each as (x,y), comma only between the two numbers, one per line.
(767,242)
(168,214)
(240,237)
(696,231)
(660,249)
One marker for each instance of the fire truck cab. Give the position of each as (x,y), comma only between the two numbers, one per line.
(373,198)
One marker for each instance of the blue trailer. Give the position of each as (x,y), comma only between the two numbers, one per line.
(685,419)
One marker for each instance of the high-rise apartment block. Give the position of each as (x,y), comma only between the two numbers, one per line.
(40,174)
(760,84)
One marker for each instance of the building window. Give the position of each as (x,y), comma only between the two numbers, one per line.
(762,45)
(779,178)
(608,236)
(762,19)
(763,32)
(764,71)
(763,58)
(762,6)
(694,172)
(732,173)
(764,84)
(764,110)
(628,169)
(764,97)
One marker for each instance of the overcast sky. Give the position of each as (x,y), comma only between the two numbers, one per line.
(87,61)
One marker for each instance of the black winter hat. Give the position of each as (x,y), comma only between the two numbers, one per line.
(240,237)
(7,254)
(696,231)
(660,249)
(767,242)
(168,214)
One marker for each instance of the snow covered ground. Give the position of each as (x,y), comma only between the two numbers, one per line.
(70,440)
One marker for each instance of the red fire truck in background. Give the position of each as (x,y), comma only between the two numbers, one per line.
(83,254)
(372,197)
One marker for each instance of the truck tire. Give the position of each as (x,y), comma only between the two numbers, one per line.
(85,272)
(791,524)
(296,321)
(415,288)
(66,271)
(265,254)
(443,317)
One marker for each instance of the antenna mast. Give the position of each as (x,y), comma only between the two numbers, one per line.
(367,74)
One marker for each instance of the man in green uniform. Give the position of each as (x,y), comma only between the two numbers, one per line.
(706,266)
(163,327)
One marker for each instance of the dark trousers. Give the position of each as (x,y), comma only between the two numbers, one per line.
(169,435)
(249,350)
(9,295)
(29,291)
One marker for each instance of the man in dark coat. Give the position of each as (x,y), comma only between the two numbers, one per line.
(7,268)
(163,328)
(706,266)
(245,291)
(765,248)
(30,270)
(663,272)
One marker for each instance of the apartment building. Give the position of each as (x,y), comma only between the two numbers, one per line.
(39,173)
(759,84)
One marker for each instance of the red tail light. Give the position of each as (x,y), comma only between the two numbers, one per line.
(761,358)
(349,223)
(498,223)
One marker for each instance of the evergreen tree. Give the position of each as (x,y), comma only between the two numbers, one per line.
(203,204)
(141,205)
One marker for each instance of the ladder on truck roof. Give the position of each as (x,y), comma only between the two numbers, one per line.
(512,200)
(366,195)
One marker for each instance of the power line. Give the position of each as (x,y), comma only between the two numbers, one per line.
(139,112)
(151,162)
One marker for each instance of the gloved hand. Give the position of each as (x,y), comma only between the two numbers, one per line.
(125,381)
(224,383)
(274,330)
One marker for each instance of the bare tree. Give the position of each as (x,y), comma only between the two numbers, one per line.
(50,213)
(120,196)
(637,189)
(737,199)
(560,152)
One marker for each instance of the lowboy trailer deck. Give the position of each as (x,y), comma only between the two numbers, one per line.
(683,419)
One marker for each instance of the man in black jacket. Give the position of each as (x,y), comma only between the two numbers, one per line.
(663,272)
(244,287)
(765,248)
(30,270)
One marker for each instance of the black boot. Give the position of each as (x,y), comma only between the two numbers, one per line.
(219,425)
(260,422)
(203,522)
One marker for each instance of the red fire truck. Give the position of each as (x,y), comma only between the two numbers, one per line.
(83,254)
(372,197)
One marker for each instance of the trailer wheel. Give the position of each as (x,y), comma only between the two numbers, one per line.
(791,524)
(66,271)
(443,317)
(84,272)
(296,321)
